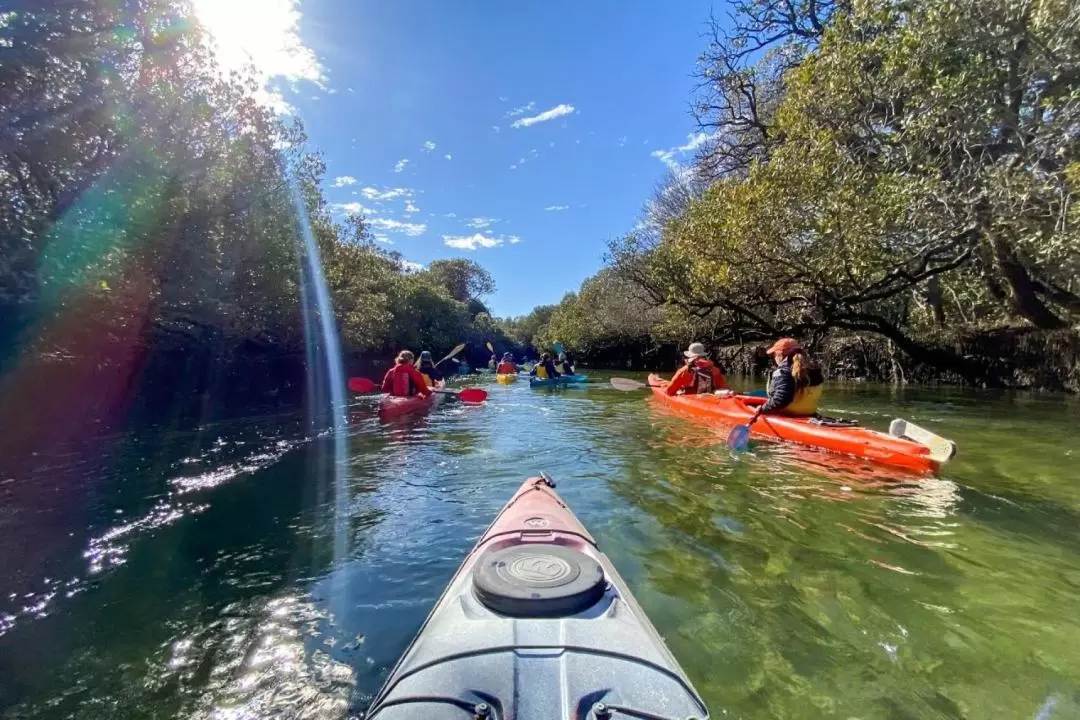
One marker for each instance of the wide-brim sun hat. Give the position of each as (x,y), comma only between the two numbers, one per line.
(695,350)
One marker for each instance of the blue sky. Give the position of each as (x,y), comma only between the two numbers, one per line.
(522,135)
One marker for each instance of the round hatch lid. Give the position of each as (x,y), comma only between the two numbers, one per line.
(538,581)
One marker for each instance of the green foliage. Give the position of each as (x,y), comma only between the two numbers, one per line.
(146,199)
(893,169)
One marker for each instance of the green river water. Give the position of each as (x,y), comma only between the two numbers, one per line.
(159,573)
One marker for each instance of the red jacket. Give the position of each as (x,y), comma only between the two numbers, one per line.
(404,380)
(691,381)
(506,368)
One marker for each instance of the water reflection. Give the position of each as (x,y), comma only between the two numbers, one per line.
(788,582)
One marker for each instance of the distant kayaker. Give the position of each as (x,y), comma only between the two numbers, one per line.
(564,365)
(493,362)
(796,384)
(699,376)
(427,368)
(403,379)
(545,369)
(507,366)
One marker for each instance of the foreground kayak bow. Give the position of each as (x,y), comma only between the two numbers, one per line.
(537,625)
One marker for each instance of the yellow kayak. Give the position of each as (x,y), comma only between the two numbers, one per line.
(506,379)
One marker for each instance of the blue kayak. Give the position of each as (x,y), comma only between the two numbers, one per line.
(561,380)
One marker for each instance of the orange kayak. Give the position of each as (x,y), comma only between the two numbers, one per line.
(857,441)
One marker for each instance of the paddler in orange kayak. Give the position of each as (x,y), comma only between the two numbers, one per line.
(403,380)
(796,384)
(699,376)
(507,366)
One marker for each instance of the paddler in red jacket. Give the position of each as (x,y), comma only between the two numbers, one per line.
(403,379)
(699,376)
(507,366)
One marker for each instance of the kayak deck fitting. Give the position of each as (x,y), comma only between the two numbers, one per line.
(537,625)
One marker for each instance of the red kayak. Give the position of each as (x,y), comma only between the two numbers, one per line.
(392,406)
(857,441)
(535,625)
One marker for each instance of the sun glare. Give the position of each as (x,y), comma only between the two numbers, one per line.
(263,35)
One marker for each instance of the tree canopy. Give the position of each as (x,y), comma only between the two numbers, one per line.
(153,215)
(901,171)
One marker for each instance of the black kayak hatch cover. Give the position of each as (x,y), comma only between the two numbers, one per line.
(538,581)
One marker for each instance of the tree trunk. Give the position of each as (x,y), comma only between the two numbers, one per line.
(1023,295)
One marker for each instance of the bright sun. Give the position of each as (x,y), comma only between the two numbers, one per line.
(263,35)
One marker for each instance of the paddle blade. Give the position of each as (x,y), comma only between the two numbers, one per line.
(361,385)
(489,347)
(473,395)
(941,449)
(626,384)
(452,353)
(739,438)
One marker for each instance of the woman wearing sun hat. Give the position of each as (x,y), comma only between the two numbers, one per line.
(699,376)
(796,384)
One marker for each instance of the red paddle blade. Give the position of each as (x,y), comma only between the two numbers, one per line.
(473,395)
(360,385)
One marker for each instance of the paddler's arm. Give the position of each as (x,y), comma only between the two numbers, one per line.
(781,392)
(679,380)
(388,381)
(418,380)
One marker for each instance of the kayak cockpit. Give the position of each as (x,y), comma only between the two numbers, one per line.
(537,624)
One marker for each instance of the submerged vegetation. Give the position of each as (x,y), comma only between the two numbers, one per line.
(896,182)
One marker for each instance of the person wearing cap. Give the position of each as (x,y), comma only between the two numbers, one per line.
(427,368)
(403,379)
(545,369)
(699,376)
(796,384)
(507,366)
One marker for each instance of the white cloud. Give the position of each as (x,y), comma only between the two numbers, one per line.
(450,215)
(263,36)
(503,98)
(429,146)
(343,180)
(670,157)
(386,194)
(448,156)
(495,128)
(400,164)
(514,239)
(410,208)
(621,142)
(479,223)
(396,226)
(555,112)
(471,242)
(528,107)
(556,208)
(382,238)
(411,267)
(351,208)
(513,167)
